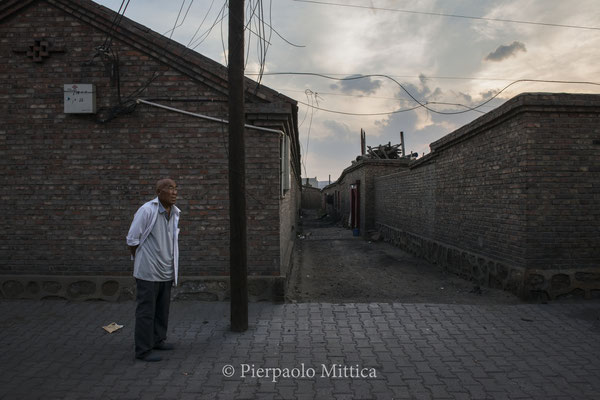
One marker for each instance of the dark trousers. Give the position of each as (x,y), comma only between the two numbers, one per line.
(151,314)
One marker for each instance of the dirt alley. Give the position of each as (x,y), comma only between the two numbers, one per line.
(331,265)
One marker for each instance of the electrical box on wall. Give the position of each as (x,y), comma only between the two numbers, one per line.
(80,98)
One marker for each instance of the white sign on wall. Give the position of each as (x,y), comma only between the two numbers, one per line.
(80,98)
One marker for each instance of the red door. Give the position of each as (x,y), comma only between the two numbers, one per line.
(355,205)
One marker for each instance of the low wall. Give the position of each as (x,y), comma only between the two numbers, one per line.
(509,200)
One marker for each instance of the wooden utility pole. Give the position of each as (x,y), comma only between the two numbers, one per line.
(238,267)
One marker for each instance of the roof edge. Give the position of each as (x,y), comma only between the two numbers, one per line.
(167,51)
(364,162)
(538,101)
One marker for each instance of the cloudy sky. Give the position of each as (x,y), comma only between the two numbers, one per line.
(430,50)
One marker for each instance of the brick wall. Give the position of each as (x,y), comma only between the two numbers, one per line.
(364,172)
(311,198)
(73,183)
(563,188)
(509,200)
(286,221)
(407,199)
(289,217)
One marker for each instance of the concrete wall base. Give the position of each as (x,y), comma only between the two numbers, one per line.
(527,284)
(122,288)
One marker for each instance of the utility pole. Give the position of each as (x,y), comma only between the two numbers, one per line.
(363,141)
(402,142)
(238,264)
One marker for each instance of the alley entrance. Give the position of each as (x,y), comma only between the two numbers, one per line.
(331,265)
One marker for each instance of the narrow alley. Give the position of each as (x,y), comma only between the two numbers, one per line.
(331,265)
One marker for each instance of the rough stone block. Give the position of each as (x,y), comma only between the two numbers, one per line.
(574,294)
(13,289)
(109,288)
(535,281)
(81,289)
(51,287)
(33,287)
(587,276)
(560,282)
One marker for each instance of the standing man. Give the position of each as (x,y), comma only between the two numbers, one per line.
(152,239)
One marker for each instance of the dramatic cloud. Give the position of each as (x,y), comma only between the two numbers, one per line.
(339,130)
(355,83)
(439,60)
(505,51)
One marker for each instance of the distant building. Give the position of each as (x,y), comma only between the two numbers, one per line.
(312,182)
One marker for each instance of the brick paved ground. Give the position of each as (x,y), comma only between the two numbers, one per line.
(57,349)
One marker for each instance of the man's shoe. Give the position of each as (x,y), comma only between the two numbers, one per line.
(149,357)
(164,346)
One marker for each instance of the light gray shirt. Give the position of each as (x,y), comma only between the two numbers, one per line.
(154,257)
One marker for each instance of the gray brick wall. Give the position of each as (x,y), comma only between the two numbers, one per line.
(289,218)
(311,198)
(72,184)
(510,200)
(563,188)
(364,171)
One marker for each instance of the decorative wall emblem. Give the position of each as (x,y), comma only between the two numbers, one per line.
(39,50)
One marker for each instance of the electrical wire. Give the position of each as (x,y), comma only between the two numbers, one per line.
(401,76)
(201,23)
(359,114)
(118,18)
(223,44)
(249,7)
(220,17)
(448,15)
(258,15)
(265,43)
(420,104)
(303,119)
(112,25)
(172,30)
(310,95)
(128,105)
(360,96)
(157,74)
(175,26)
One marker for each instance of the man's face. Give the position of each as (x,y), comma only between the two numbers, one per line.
(167,192)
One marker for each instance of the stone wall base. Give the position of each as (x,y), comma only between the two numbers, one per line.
(563,283)
(122,288)
(527,284)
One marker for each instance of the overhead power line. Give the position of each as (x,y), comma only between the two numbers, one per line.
(448,15)
(114,25)
(175,26)
(420,104)
(458,78)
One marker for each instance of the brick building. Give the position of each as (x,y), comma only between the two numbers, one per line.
(311,198)
(351,197)
(510,200)
(72,181)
